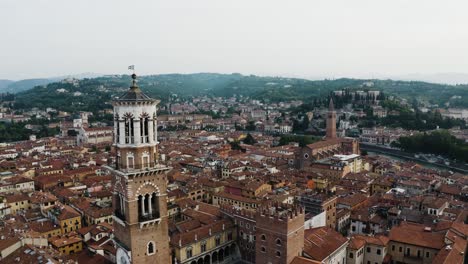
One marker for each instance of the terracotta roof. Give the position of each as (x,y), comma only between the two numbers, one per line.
(302,260)
(324,143)
(60,241)
(379,240)
(320,242)
(356,243)
(352,200)
(414,234)
(186,238)
(454,253)
(17,198)
(43,226)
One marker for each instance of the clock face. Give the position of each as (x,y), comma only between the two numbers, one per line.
(122,257)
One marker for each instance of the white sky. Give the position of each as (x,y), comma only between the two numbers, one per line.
(310,38)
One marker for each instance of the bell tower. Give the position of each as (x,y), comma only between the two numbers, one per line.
(139,182)
(331,121)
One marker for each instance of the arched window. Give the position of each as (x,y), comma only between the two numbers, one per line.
(188,252)
(263,237)
(146,123)
(263,249)
(129,129)
(144,129)
(150,248)
(203,246)
(278,242)
(154,127)
(117,124)
(278,254)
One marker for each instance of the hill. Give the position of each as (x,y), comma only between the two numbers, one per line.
(5,83)
(23,85)
(91,94)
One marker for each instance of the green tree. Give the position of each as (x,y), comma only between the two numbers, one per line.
(249,139)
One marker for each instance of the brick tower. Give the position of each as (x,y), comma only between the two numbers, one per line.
(331,121)
(139,182)
(279,234)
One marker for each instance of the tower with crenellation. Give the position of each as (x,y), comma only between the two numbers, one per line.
(279,233)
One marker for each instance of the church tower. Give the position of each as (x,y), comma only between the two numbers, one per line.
(331,121)
(139,182)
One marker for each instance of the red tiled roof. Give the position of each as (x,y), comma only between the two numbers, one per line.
(414,234)
(320,242)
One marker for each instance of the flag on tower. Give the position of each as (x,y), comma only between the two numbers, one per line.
(131,67)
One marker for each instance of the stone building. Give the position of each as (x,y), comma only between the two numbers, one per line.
(279,234)
(328,147)
(139,182)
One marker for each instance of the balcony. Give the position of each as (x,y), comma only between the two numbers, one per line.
(148,217)
(149,220)
(118,214)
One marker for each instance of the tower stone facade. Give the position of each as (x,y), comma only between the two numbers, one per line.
(331,121)
(139,182)
(279,234)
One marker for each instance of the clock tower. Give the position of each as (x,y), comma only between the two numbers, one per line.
(139,182)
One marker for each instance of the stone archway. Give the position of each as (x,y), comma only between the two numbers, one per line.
(233,249)
(214,257)
(200,261)
(207,259)
(221,255)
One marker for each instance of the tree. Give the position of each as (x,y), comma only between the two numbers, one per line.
(249,139)
(250,126)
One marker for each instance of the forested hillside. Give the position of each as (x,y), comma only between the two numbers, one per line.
(94,92)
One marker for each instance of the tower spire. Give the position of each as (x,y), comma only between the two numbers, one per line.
(132,67)
(134,81)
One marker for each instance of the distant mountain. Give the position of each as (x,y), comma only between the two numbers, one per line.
(24,85)
(5,83)
(8,86)
(86,75)
(443,78)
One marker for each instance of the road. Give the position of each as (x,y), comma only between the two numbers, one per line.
(458,167)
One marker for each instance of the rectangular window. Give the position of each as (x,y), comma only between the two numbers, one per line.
(145,162)
(130,163)
(117,137)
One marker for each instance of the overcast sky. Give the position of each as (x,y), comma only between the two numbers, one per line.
(310,38)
